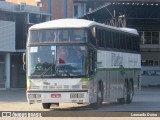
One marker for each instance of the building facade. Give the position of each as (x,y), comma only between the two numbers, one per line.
(64,8)
(142,15)
(15,19)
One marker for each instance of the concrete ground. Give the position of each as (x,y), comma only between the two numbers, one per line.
(15,100)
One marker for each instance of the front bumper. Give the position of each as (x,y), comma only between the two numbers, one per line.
(57,97)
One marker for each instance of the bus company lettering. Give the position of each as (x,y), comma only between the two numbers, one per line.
(116,59)
(132,60)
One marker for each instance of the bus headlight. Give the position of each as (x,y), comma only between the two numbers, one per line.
(84,86)
(28,87)
(31,96)
(38,95)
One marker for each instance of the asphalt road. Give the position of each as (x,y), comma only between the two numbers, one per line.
(146,100)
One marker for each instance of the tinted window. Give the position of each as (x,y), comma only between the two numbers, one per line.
(58,36)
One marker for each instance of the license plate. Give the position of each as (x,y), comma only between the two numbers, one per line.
(55,95)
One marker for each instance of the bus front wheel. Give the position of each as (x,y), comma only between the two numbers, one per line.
(97,104)
(46,105)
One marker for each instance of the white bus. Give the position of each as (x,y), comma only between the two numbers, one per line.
(81,61)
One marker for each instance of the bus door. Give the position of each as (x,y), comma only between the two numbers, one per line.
(92,70)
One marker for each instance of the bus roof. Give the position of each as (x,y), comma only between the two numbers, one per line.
(76,23)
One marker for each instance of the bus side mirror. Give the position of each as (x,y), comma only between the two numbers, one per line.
(24,61)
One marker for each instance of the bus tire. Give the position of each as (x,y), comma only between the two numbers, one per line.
(46,105)
(97,104)
(55,104)
(121,100)
(124,99)
(130,92)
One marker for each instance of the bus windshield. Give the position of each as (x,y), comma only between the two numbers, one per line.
(58,36)
(56,61)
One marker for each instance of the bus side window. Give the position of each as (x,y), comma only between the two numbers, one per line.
(50,36)
(108,38)
(65,36)
(41,37)
(79,35)
(57,35)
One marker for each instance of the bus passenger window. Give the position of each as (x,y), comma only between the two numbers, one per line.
(41,37)
(33,36)
(50,36)
(78,35)
(77,38)
(57,35)
(64,37)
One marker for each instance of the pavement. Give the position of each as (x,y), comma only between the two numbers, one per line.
(15,100)
(13,95)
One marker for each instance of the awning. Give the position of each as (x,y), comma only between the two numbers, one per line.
(131,10)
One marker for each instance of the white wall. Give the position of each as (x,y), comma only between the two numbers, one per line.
(7,36)
(150,76)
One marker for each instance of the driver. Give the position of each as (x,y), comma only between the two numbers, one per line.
(62,52)
(39,64)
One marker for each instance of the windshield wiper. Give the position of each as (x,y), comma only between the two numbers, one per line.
(49,68)
(62,68)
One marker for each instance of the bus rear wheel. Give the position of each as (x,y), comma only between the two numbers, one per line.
(46,105)
(127,93)
(124,99)
(130,93)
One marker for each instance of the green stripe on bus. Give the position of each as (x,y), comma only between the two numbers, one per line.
(29,80)
(117,69)
(84,79)
(121,70)
(88,79)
